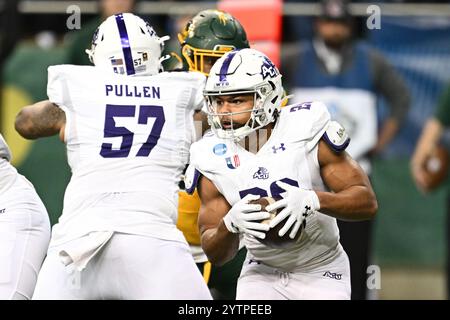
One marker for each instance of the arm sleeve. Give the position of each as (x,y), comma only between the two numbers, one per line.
(390,85)
(55,85)
(443,108)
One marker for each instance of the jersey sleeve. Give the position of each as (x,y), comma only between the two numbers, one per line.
(4,149)
(199,165)
(57,86)
(320,122)
(308,122)
(199,99)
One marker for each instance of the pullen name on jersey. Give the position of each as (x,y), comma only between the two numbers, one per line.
(123,90)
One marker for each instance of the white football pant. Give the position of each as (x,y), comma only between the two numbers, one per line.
(328,282)
(127,267)
(24,238)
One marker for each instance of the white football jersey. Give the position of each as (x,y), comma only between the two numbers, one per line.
(290,155)
(8,173)
(4,149)
(356,110)
(127,143)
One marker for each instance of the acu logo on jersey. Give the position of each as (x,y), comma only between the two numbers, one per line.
(262,173)
(268,69)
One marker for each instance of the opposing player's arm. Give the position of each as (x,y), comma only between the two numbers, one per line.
(353,197)
(219,244)
(42,119)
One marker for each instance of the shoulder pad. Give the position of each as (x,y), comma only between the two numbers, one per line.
(336,137)
(191,178)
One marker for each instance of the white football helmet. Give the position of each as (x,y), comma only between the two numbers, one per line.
(244,71)
(127,45)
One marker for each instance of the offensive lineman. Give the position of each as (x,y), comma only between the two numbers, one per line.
(24,231)
(302,160)
(127,128)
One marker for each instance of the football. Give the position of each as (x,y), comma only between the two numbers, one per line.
(273,240)
(436,168)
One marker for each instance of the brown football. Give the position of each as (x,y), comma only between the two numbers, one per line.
(272,239)
(436,168)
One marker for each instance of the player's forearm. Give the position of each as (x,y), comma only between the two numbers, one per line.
(43,119)
(353,204)
(219,244)
(427,142)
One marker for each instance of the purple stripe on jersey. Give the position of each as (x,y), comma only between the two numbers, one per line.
(226,64)
(191,188)
(125,44)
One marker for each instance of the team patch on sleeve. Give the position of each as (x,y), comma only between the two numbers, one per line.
(336,137)
(191,178)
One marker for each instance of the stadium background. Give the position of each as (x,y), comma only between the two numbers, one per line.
(409,241)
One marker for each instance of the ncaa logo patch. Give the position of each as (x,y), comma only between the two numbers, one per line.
(220,149)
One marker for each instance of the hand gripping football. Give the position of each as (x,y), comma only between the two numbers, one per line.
(436,168)
(272,239)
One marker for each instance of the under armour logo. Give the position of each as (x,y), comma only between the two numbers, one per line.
(281,147)
(307,211)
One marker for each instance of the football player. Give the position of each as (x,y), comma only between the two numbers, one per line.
(24,231)
(302,154)
(127,127)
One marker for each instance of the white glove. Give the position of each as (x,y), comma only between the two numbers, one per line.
(298,205)
(239,218)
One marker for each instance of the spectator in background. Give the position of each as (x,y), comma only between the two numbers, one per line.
(426,146)
(83,37)
(347,76)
